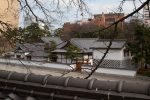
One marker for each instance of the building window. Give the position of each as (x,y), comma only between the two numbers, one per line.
(18,56)
(28,57)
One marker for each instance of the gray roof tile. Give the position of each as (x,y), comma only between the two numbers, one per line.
(35,49)
(57,40)
(59,50)
(103,44)
(48,87)
(83,43)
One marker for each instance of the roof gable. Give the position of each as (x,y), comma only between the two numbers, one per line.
(57,40)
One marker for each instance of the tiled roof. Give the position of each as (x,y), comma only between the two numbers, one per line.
(35,49)
(59,50)
(57,40)
(83,43)
(19,86)
(31,46)
(39,54)
(87,44)
(103,44)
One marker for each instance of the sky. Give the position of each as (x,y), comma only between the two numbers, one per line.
(94,7)
(106,6)
(98,6)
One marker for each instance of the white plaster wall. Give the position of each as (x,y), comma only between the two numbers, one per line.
(117,71)
(90,60)
(45,68)
(39,59)
(34,63)
(59,56)
(112,55)
(110,71)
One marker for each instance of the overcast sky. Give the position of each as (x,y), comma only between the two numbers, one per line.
(99,6)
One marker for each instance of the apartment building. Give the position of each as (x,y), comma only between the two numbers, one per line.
(9,12)
(101,20)
(146,15)
(107,19)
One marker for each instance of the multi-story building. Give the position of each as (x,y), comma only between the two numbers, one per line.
(101,20)
(9,12)
(146,15)
(28,20)
(107,19)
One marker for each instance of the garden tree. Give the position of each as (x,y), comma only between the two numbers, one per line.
(140,46)
(108,33)
(68,31)
(55,8)
(49,47)
(14,35)
(129,28)
(45,11)
(85,30)
(58,32)
(33,33)
(115,31)
(29,34)
(52,11)
(72,52)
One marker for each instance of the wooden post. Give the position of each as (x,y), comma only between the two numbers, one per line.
(61,57)
(78,66)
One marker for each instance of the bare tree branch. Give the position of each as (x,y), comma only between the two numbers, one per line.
(114,34)
(81,6)
(106,52)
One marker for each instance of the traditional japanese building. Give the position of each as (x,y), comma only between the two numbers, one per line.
(20,86)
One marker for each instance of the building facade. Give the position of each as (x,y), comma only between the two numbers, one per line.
(100,20)
(118,56)
(9,12)
(107,19)
(146,15)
